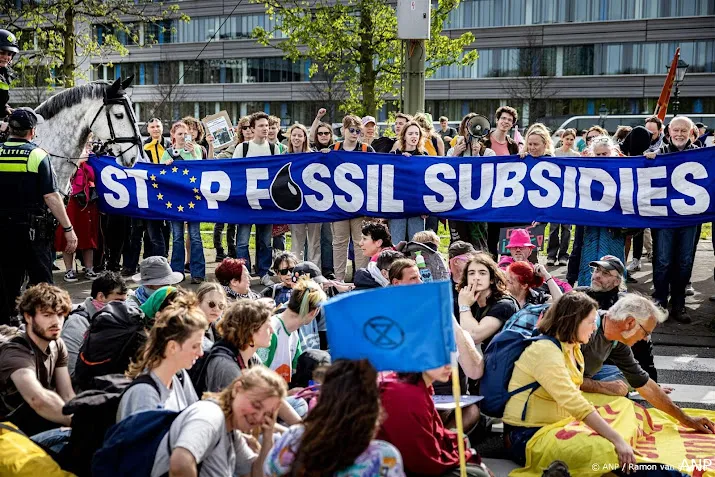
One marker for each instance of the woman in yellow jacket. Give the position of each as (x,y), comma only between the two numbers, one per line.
(571,320)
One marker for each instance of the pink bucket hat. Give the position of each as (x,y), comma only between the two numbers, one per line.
(520,238)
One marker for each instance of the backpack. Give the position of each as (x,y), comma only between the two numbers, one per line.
(93,412)
(499,358)
(338,145)
(221,348)
(271,146)
(20,457)
(115,335)
(525,320)
(130,445)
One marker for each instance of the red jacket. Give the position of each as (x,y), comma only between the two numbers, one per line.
(413,426)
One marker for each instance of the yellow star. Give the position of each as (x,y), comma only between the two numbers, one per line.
(192,180)
(152,177)
(155,185)
(191,205)
(162,172)
(174,169)
(186,172)
(180,208)
(198,197)
(196,191)
(168,205)
(160,196)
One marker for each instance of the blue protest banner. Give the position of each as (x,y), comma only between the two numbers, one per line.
(671,190)
(400,328)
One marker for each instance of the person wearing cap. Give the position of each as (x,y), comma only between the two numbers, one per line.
(369,126)
(630,320)
(8,49)
(29,185)
(155,273)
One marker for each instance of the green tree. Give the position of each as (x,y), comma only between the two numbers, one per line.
(356,42)
(59,34)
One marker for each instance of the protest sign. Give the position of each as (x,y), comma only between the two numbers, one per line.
(219,126)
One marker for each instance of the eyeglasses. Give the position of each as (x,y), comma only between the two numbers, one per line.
(603,271)
(245,127)
(646,332)
(354,130)
(213,304)
(285,271)
(323,133)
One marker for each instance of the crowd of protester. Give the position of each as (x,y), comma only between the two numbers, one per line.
(242,382)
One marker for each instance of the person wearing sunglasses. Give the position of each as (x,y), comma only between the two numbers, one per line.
(233,276)
(283,266)
(212,301)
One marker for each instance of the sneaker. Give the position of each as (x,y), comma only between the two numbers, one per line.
(266,280)
(187,268)
(220,257)
(681,316)
(689,290)
(550,262)
(635,265)
(55,268)
(90,274)
(71,276)
(563,261)
(197,280)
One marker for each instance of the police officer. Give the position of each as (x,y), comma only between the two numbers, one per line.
(8,50)
(28,187)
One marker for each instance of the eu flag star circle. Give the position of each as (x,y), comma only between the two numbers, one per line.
(183,201)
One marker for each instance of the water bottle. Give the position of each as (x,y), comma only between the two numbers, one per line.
(425,273)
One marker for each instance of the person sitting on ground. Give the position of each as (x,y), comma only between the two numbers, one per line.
(216,432)
(376,273)
(174,344)
(314,334)
(523,282)
(159,300)
(404,271)
(375,238)
(245,327)
(34,381)
(484,301)
(631,319)
(283,266)
(303,307)
(522,250)
(155,273)
(233,275)
(559,371)
(212,301)
(414,426)
(110,286)
(426,242)
(349,405)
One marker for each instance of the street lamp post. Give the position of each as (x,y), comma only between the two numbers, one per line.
(680,71)
(602,114)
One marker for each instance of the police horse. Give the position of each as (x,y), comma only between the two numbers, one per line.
(102,108)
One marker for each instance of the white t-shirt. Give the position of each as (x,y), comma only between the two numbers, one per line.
(254,150)
(143,397)
(201,430)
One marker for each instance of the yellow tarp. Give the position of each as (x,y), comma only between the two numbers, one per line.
(655,435)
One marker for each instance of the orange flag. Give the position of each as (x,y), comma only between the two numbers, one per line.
(661,108)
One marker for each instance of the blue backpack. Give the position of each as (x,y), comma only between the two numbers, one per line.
(499,359)
(130,445)
(524,320)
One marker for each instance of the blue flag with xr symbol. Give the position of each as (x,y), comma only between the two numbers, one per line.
(399,328)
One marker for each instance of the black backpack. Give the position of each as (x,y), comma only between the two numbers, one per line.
(93,413)
(221,349)
(115,335)
(246,144)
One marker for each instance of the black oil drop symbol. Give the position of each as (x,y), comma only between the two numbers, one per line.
(285,193)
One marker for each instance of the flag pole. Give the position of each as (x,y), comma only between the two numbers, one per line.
(456,392)
(661,107)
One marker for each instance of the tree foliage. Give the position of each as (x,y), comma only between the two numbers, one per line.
(58,34)
(356,42)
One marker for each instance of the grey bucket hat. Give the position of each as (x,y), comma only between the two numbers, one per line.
(157,271)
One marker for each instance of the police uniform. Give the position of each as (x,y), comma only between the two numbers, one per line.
(8,42)
(26,224)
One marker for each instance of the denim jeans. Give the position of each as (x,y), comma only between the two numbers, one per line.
(609,372)
(326,248)
(673,264)
(279,242)
(518,438)
(178,254)
(54,439)
(156,238)
(264,254)
(405,229)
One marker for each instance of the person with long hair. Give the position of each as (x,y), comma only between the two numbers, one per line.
(217,432)
(559,371)
(338,435)
(303,306)
(433,144)
(524,281)
(174,345)
(538,142)
(484,301)
(414,426)
(410,141)
(212,301)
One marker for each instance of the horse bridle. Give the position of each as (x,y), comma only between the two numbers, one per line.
(134,140)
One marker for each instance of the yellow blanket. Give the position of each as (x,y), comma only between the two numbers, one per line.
(656,437)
